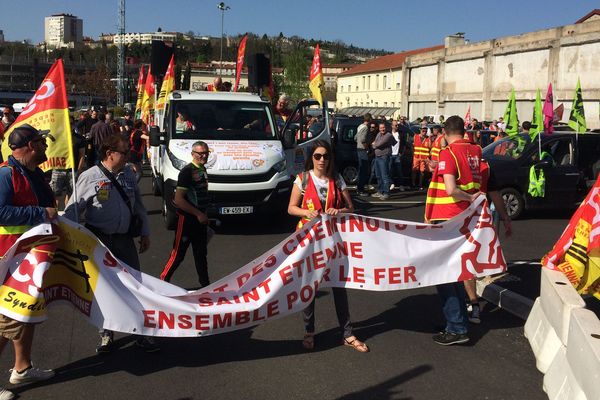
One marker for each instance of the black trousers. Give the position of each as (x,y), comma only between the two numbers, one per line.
(340,299)
(189,231)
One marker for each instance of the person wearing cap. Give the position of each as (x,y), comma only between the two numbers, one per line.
(109,200)
(26,200)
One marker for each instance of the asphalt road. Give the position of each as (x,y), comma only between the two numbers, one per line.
(268,361)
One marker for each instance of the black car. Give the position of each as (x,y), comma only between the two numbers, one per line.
(344,145)
(570,163)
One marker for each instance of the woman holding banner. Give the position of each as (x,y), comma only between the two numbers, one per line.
(319,189)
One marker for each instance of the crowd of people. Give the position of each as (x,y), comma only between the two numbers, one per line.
(108,199)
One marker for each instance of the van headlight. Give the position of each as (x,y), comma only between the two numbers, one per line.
(280,166)
(177,163)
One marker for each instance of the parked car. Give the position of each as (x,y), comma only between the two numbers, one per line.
(570,163)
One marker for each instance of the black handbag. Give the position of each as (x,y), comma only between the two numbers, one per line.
(136,222)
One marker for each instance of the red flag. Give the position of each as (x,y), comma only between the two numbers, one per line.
(468,118)
(140,92)
(558,113)
(148,99)
(49,109)
(240,62)
(316,82)
(548,111)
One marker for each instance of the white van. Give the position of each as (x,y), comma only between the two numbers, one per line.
(250,166)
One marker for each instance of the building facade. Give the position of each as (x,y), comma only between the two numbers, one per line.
(63,30)
(143,38)
(449,79)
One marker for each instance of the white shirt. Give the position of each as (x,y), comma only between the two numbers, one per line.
(396,147)
(322,185)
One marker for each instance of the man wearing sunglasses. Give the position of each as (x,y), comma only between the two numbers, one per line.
(25,200)
(191,199)
(109,200)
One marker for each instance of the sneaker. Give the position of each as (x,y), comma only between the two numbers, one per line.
(106,343)
(6,394)
(449,338)
(31,374)
(376,194)
(474,316)
(148,344)
(392,186)
(384,196)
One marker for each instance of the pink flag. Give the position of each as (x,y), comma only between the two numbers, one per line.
(468,118)
(548,111)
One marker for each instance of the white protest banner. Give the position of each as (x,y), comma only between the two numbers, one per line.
(66,262)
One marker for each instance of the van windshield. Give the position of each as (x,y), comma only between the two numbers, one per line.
(222,120)
(509,148)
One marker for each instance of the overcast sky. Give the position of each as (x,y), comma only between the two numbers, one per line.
(380,24)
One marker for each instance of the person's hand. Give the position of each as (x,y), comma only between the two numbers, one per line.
(432,164)
(144,243)
(51,213)
(202,218)
(474,196)
(507,227)
(332,211)
(310,214)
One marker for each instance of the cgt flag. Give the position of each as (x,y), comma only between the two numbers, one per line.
(240,62)
(316,77)
(167,86)
(577,252)
(140,92)
(148,98)
(510,115)
(49,109)
(549,111)
(537,121)
(577,117)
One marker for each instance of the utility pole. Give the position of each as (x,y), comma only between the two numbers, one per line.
(121,56)
(223,7)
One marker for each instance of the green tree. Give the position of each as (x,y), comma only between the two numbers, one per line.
(295,82)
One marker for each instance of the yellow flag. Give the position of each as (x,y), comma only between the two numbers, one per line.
(317,83)
(167,86)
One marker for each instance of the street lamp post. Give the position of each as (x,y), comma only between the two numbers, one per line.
(223,7)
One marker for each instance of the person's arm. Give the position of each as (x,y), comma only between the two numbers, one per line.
(295,202)
(499,205)
(349,208)
(455,192)
(181,202)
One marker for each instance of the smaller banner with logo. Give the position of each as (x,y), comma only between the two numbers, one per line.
(577,252)
(64,261)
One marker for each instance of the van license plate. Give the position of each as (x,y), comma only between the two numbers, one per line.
(237,210)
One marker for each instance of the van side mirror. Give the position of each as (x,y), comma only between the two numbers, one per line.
(156,139)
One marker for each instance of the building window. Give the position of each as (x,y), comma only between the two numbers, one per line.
(350,88)
(369,82)
(385,83)
(376,82)
(363,86)
(392,104)
(397,85)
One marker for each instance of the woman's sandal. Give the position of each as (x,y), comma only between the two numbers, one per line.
(356,344)
(309,341)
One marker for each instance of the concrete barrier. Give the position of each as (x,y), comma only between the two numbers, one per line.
(575,371)
(547,327)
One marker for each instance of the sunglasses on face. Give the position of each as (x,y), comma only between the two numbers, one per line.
(317,156)
(201,153)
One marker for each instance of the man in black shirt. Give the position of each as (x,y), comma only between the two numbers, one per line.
(191,200)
